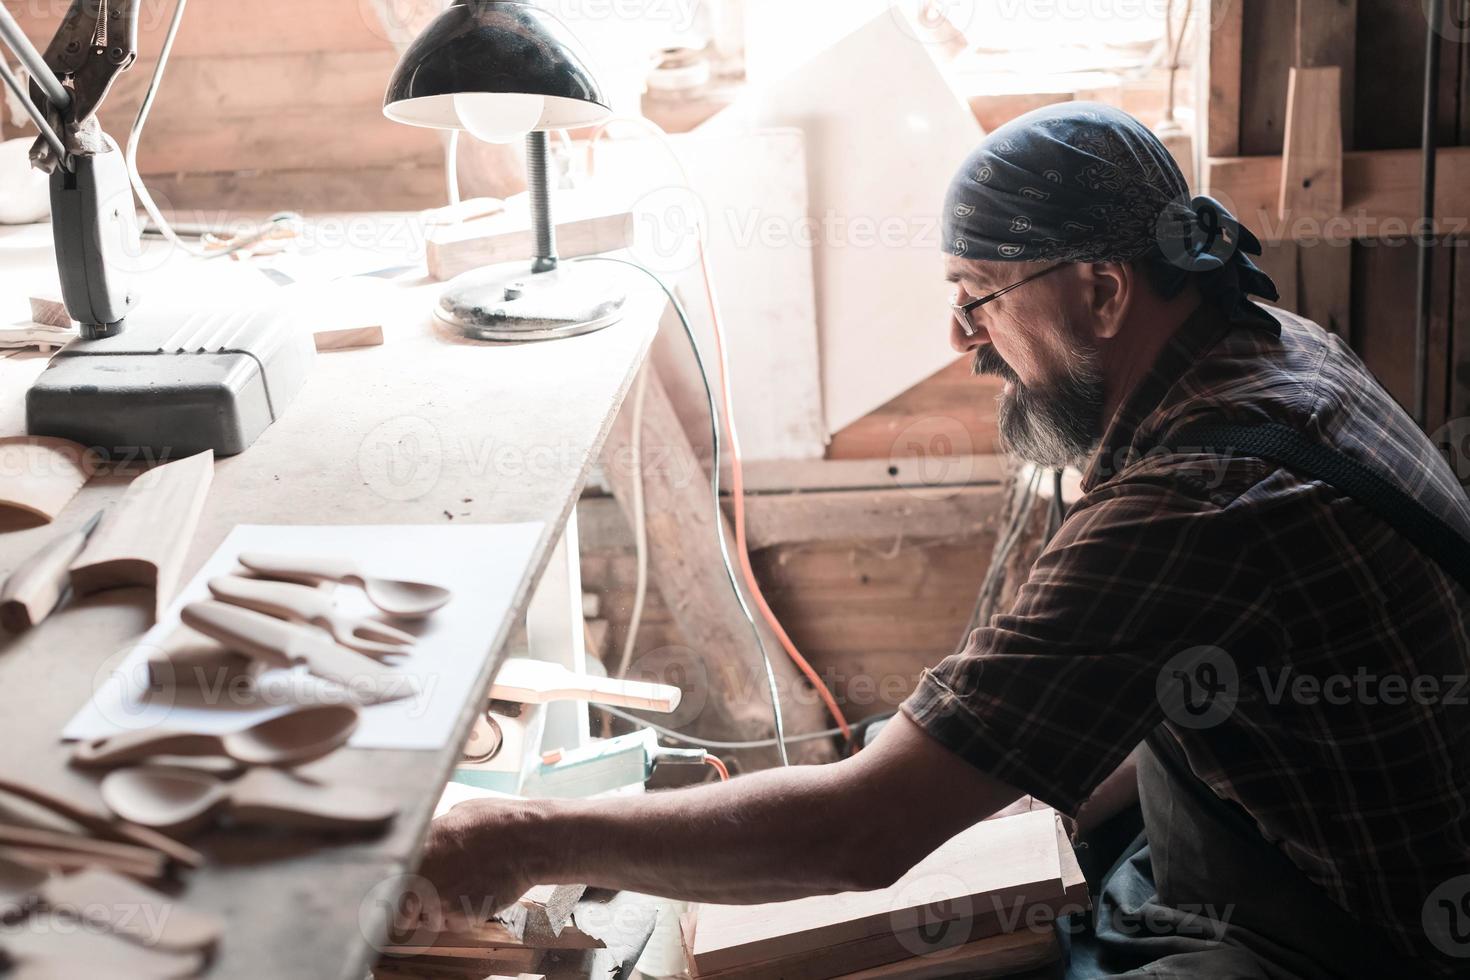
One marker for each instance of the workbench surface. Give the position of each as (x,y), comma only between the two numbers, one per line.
(426,429)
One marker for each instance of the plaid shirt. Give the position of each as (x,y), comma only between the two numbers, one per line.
(1309,661)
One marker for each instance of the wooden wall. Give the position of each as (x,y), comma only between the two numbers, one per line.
(267,104)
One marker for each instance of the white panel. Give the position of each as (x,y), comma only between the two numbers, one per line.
(750,191)
(884,135)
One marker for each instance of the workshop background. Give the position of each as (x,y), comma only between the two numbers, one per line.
(876,494)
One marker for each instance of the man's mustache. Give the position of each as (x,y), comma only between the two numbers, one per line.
(989,362)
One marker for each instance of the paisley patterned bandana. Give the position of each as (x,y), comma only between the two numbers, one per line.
(1085,182)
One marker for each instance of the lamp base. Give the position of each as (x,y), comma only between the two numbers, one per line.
(509,302)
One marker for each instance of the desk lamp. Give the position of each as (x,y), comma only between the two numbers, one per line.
(168,382)
(499,69)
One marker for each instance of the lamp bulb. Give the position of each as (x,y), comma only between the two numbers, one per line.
(499,117)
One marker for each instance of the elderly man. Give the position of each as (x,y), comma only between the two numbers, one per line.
(1266,661)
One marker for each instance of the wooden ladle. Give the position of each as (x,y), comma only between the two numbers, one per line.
(184,800)
(396,597)
(290,739)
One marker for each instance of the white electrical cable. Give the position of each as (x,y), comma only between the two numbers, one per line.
(640,524)
(130,160)
(451,167)
(705,743)
(716,442)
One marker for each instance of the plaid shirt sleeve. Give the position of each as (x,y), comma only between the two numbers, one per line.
(1051,696)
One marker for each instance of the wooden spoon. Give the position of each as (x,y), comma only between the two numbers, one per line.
(396,597)
(183,800)
(290,739)
(111,901)
(306,604)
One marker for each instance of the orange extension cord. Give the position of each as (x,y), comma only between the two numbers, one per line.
(719,767)
(737,471)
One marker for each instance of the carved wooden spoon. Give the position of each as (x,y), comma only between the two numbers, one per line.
(290,739)
(396,597)
(184,800)
(305,604)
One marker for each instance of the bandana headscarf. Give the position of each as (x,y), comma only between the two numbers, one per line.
(1085,182)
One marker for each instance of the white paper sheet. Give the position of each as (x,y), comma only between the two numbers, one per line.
(480,563)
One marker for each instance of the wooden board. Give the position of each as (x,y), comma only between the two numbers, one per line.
(348,338)
(1220,89)
(1311,162)
(507,237)
(989,866)
(143,539)
(39,475)
(1005,955)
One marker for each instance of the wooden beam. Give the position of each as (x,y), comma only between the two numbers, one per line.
(1380,195)
(1221,52)
(1311,160)
(1327,36)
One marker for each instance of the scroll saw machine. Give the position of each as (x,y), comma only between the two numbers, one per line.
(173,383)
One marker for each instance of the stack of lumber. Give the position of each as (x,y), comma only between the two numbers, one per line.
(986,899)
(554,931)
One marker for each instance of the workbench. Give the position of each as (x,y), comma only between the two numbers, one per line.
(426,429)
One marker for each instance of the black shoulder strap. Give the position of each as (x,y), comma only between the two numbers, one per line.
(1283,444)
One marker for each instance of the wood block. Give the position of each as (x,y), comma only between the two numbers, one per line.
(994,864)
(51,313)
(1223,44)
(39,475)
(1311,168)
(144,537)
(348,339)
(1005,955)
(453,249)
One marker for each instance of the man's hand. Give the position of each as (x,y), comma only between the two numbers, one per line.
(473,864)
(853,825)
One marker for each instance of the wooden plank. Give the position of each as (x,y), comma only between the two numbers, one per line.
(359,136)
(1326,35)
(225,29)
(507,237)
(1222,53)
(1324,284)
(409,187)
(1007,955)
(349,338)
(1380,195)
(1269,42)
(1311,162)
(988,866)
(949,413)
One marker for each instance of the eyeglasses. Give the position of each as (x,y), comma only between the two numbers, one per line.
(962,310)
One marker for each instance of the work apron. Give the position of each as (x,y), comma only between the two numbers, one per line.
(1201,895)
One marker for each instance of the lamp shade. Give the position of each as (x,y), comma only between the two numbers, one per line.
(502,63)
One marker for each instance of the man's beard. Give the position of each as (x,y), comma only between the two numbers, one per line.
(1055,425)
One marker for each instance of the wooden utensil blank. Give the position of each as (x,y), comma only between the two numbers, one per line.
(539,681)
(283,644)
(36,587)
(68,849)
(37,955)
(144,538)
(39,475)
(104,826)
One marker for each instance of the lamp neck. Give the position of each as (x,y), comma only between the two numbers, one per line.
(538,177)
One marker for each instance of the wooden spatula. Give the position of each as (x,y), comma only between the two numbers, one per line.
(538,681)
(283,644)
(396,597)
(292,738)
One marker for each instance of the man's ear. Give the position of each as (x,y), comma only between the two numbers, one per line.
(1110,296)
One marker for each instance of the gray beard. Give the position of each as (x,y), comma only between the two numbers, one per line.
(1053,426)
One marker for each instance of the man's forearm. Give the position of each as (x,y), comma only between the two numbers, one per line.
(767,836)
(852,825)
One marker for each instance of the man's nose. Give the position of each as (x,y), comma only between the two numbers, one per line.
(962,342)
